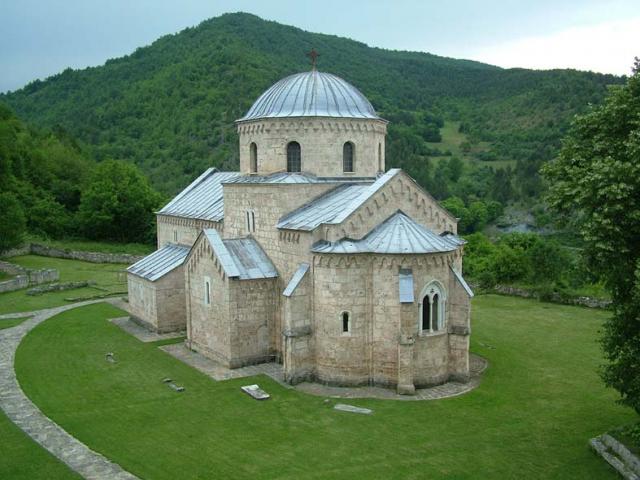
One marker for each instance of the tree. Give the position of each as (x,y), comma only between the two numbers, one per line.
(12,221)
(118,204)
(595,184)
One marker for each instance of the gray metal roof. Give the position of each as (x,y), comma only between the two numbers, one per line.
(311,94)
(405,285)
(462,281)
(159,263)
(241,258)
(288,177)
(297,277)
(202,199)
(397,234)
(334,206)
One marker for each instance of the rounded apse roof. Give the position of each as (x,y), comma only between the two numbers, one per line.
(311,94)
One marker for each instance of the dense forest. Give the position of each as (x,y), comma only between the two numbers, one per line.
(170,107)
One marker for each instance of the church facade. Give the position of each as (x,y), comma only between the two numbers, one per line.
(313,254)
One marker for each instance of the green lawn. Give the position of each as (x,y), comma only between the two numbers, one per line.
(108,277)
(22,458)
(4,276)
(539,403)
(11,322)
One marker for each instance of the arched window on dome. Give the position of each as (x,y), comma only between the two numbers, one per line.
(348,151)
(432,313)
(253,157)
(294,160)
(379,157)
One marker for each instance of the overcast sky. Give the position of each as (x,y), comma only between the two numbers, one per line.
(41,38)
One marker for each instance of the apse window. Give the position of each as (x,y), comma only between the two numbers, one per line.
(294,158)
(432,309)
(347,157)
(175,236)
(346,322)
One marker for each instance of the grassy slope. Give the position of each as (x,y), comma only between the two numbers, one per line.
(106,276)
(539,403)
(22,458)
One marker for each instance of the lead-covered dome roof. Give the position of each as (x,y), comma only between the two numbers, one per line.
(311,94)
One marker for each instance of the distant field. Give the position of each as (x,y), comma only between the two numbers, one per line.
(104,247)
(531,417)
(108,277)
(452,140)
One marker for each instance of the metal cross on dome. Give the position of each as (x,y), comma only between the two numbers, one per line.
(313,55)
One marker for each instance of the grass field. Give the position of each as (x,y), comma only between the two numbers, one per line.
(108,278)
(531,417)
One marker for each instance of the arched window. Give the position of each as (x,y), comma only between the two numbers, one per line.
(346,324)
(253,157)
(432,313)
(294,160)
(347,157)
(379,157)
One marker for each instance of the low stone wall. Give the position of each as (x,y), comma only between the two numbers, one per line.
(93,257)
(589,302)
(26,277)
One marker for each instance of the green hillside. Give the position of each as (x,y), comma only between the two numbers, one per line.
(170,107)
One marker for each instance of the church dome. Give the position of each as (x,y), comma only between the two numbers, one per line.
(311,94)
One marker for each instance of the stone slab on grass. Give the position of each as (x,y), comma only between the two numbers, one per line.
(343,407)
(255,392)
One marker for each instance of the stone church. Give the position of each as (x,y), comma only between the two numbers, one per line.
(313,255)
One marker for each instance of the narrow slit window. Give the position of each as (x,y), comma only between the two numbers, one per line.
(426,314)
(207,292)
(346,327)
(253,157)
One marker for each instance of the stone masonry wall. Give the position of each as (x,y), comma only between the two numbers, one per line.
(253,305)
(159,305)
(208,326)
(182,231)
(367,287)
(321,141)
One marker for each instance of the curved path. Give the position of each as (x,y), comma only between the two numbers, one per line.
(32,421)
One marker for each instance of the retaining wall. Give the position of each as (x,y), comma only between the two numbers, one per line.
(93,257)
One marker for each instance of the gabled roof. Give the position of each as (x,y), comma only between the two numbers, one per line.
(202,199)
(397,234)
(291,178)
(241,258)
(159,263)
(335,206)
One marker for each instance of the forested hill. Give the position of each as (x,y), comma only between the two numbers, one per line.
(170,107)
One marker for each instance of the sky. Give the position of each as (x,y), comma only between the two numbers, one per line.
(42,38)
